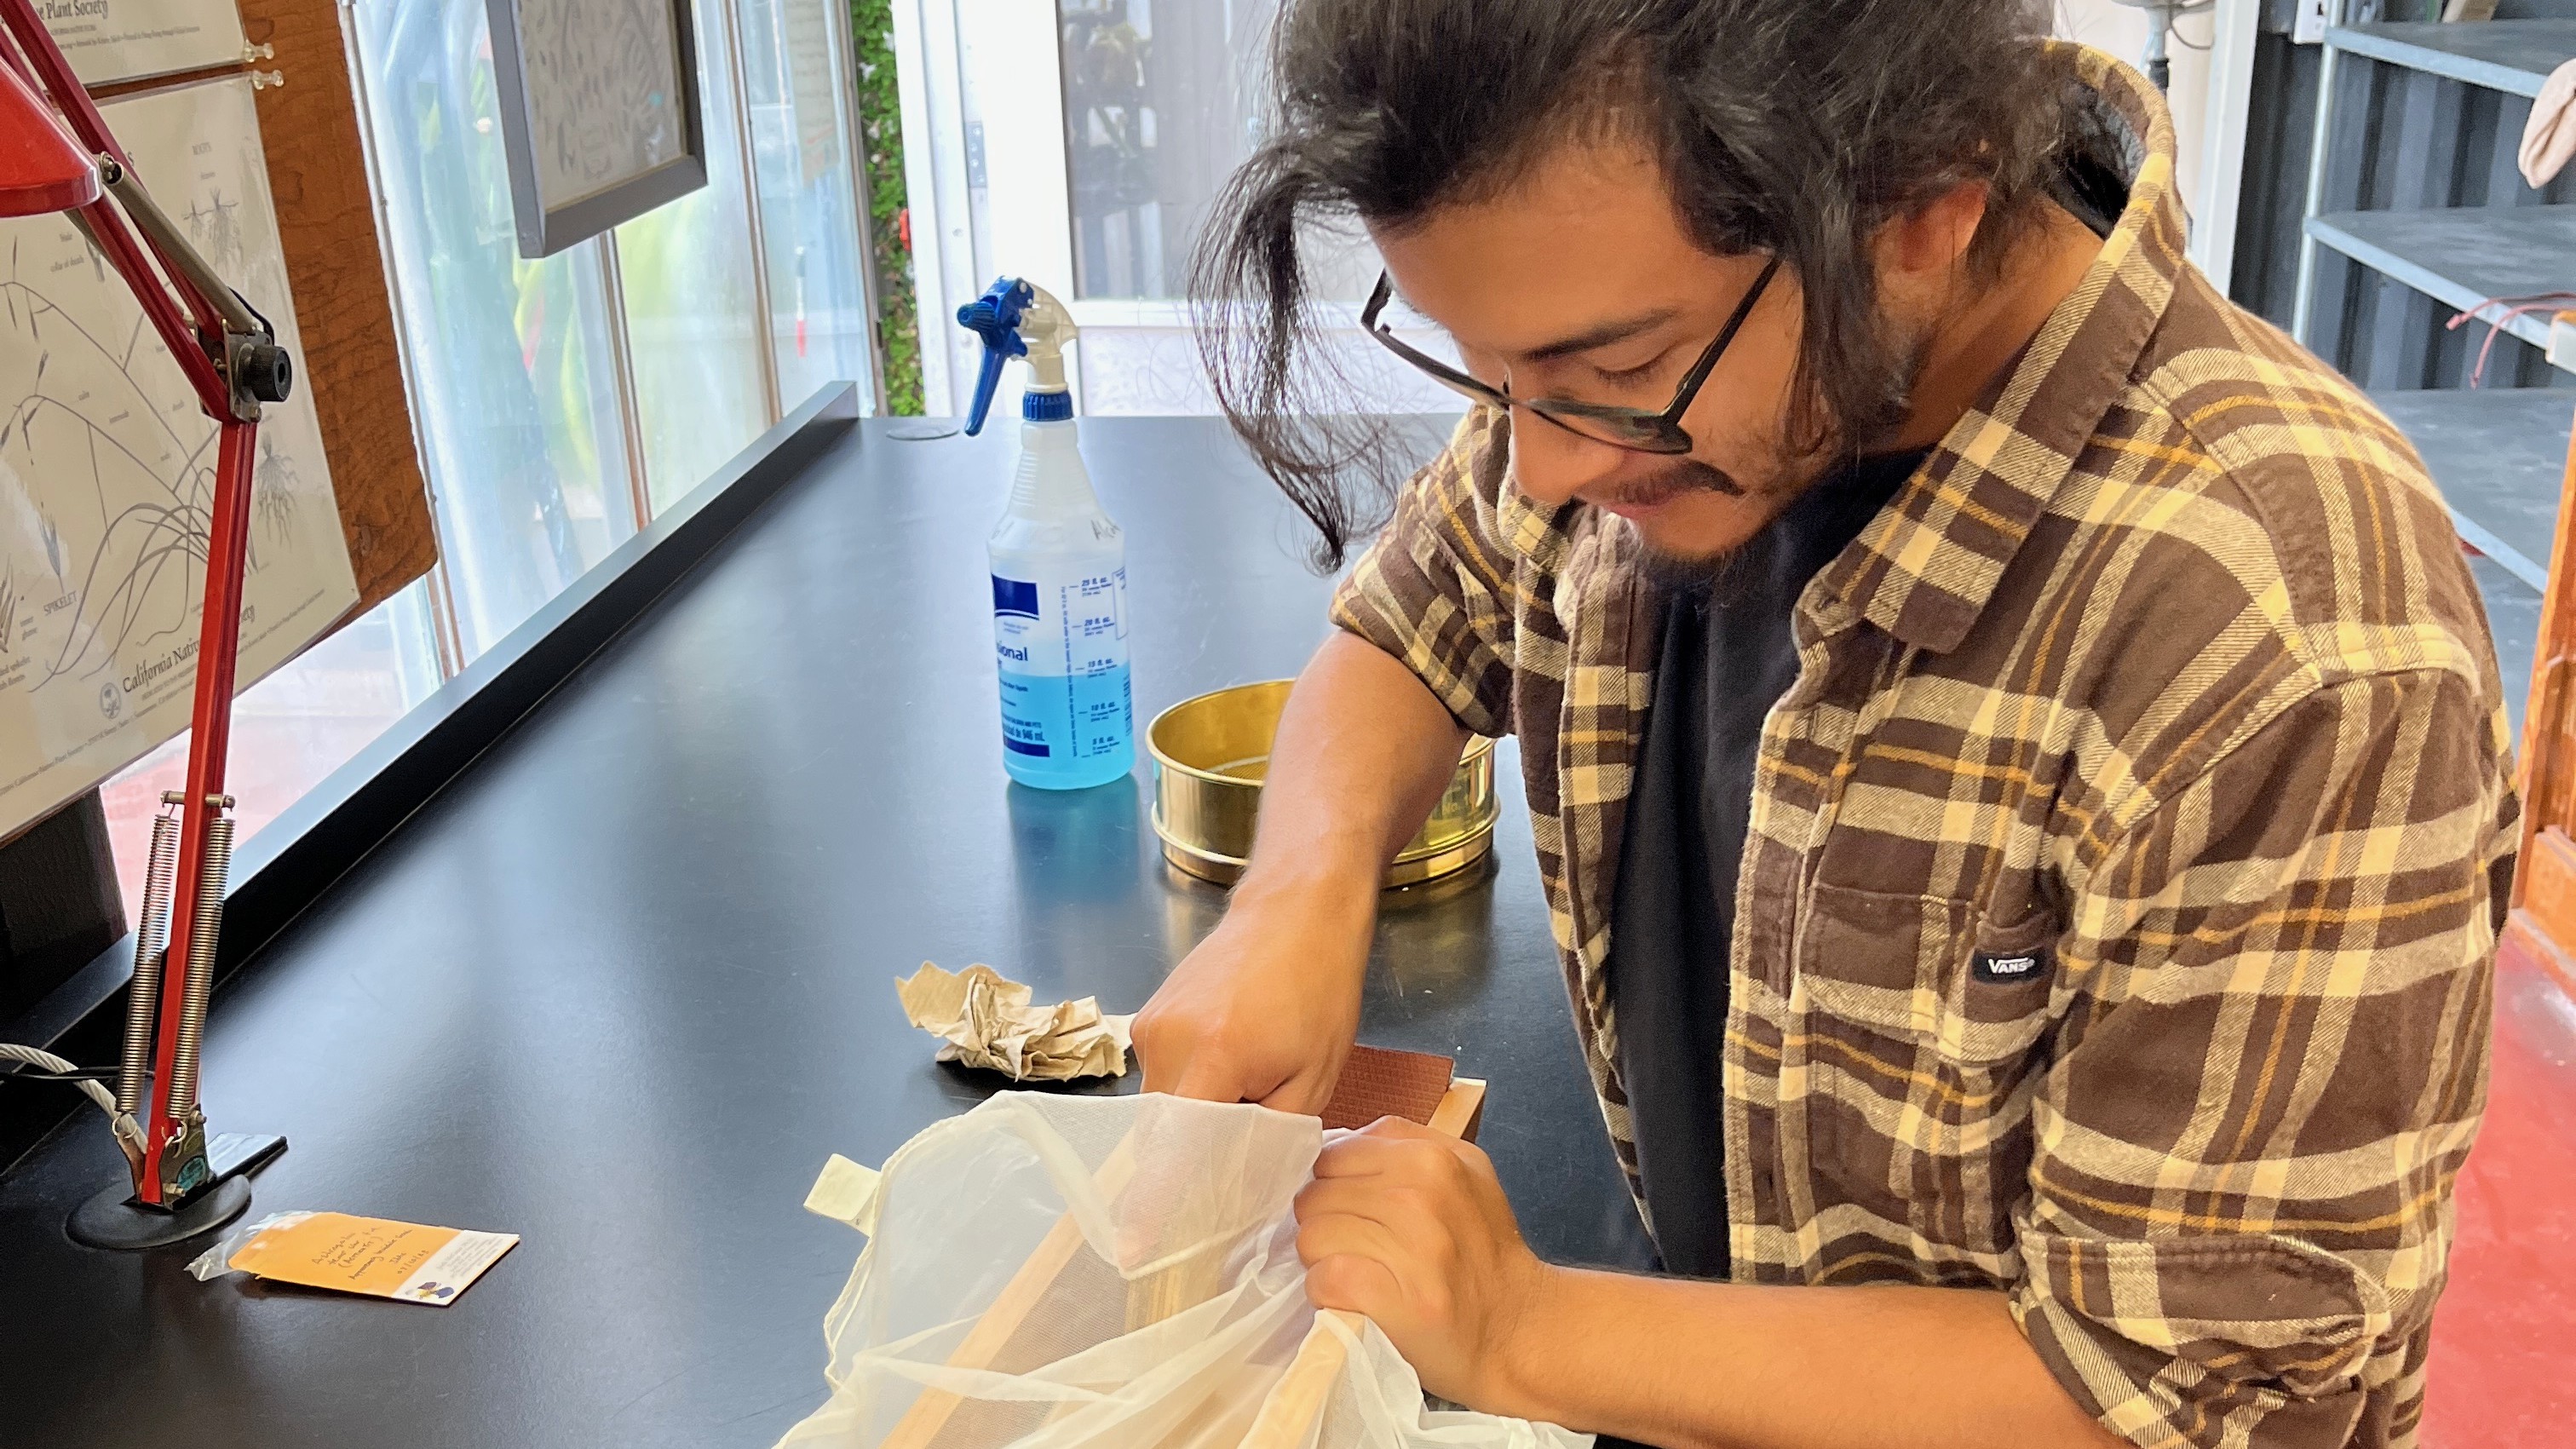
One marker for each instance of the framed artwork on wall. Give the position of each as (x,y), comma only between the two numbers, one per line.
(599,113)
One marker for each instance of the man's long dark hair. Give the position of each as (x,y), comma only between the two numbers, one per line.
(1792,127)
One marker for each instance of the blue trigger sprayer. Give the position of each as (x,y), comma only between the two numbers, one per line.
(1059,565)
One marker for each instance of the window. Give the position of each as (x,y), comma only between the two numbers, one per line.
(513,381)
(544,407)
(821,317)
(1161,103)
(291,729)
(692,315)
(1089,165)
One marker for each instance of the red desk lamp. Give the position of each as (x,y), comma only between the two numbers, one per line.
(56,155)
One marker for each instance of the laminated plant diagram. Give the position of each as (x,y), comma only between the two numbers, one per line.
(107,471)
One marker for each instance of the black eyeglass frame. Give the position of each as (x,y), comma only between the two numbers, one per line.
(1639,430)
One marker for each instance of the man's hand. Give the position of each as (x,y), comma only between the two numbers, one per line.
(1410,1228)
(1266,1007)
(1263,1011)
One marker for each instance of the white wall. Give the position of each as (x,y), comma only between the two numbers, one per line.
(2122,30)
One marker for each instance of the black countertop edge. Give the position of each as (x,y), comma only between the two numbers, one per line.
(283,869)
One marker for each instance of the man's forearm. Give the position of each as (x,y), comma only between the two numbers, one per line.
(1688,1364)
(1362,755)
(1265,1008)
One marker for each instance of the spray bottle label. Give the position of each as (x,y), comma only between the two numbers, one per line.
(1062,646)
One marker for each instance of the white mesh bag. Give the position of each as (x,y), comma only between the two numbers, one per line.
(1047,1272)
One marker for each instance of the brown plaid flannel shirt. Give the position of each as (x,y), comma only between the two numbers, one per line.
(2165,667)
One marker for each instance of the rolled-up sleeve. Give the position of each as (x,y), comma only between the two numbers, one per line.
(1434,590)
(2242,1167)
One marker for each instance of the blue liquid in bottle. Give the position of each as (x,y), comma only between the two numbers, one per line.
(1067,732)
(1060,638)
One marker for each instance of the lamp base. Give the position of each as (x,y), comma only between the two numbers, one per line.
(113,1220)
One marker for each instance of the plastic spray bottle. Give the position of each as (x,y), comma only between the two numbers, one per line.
(1059,565)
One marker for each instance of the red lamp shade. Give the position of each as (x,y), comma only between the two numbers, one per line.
(41,169)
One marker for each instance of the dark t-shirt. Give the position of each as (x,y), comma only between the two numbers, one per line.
(1728,656)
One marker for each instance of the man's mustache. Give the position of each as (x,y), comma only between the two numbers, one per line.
(1682,475)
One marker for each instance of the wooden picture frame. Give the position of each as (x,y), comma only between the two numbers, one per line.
(563,132)
(338,272)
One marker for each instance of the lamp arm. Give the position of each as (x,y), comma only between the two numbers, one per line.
(53,75)
(107,230)
(174,1163)
(232,360)
(181,256)
(54,79)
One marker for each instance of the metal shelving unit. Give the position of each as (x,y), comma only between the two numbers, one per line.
(2498,454)
(2462,256)
(2513,56)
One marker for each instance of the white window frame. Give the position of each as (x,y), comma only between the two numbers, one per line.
(2222,139)
(1013,49)
(447,625)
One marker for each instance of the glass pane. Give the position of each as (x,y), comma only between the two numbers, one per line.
(1161,101)
(512,382)
(692,323)
(292,729)
(1155,371)
(796,72)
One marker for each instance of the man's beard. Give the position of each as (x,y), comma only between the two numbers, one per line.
(1791,476)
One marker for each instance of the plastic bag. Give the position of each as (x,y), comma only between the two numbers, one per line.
(216,1261)
(1047,1272)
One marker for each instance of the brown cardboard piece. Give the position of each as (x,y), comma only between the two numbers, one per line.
(1381,1082)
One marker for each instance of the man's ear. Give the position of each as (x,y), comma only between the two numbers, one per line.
(1920,252)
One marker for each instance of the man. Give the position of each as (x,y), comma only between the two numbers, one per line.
(2015,753)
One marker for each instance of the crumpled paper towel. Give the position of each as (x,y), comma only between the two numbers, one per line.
(986,1020)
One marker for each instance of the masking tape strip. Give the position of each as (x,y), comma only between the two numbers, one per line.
(845,1192)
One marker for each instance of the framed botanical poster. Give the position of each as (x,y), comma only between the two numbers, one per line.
(108,41)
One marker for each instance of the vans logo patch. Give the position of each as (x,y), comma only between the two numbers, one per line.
(1995,969)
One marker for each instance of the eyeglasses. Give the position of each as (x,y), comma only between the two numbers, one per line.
(1636,429)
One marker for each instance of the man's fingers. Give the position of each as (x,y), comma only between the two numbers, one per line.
(1210,1079)
(1353,1196)
(1354,1284)
(1356,1155)
(1162,1069)
(1208,1087)
(1341,1234)
(1165,1044)
(1304,1093)
(1406,1221)
(1390,1146)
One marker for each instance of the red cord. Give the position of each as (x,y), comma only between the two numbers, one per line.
(2515,307)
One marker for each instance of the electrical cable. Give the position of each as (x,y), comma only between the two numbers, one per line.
(2161,17)
(2171,15)
(60,1069)
(85,1074)
(2173,25)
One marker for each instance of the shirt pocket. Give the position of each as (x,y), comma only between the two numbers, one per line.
(1929,971)
(1910,1068)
